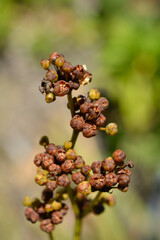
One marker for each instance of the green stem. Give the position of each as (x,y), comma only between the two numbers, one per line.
(51,236)
(92,204)
(77,229)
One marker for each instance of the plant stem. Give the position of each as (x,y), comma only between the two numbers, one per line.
(71,104)
(74,138)
(77,229)
(92,204)
(51,236)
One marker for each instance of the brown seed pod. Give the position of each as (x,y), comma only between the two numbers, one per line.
(54,169)
(93,112)
(47,225)
(51,149)
(85,169)
(111,179)
(84,107)
(63,180)
(96,167)
(38,159)
(123,180)
(73,85)
(89,130)
(108,164)
(61,88)
(54,56)
(46,196)
(78,177)
(57,217)
(51,185)
(31,215)
(67,67)
(52,76)
(77,123)
(60,155)
(102,103)
(79,163)
(100,121)
(97,181)
(119,156)
(67,166)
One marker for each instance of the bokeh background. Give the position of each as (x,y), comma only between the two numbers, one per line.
(119,41)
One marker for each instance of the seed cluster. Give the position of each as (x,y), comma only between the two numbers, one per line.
(63,78)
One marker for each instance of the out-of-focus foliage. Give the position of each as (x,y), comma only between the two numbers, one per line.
(119,40)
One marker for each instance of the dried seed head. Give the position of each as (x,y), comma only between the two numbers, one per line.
(97,181)
(45,63)
(119,156)
(84,188)
(77,123)
(96,167)
(108,164)
(61,88)
(85,169)
(111,129)
(47,225)
(123,180)
(51,185)
(89,130)
(78,177)
(63,180)
(31,215)
(111,179)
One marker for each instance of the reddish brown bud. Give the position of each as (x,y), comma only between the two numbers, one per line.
(67,166)
(130,164)
(51,149)
(96,167)
(51,185)
(67,67)
(54,169)
(47,161)
(73,85)
(47,226)
(31,215)
(100,120)
(89,130)
(61,155)
(85,169)
(123,180)
(84,188)
(119,156)
(57,217)
(108,164)
(97,181)
(71,154)
(54,56)
(52,76)
(63,180)
(111,179)
(102,103)
(38,159)
(78,177)
(59,62)
(77,123)
(85,107)
(123,189)
(61,88)
(98,209)
(93,112)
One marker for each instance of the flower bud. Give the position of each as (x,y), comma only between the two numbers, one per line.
(59,62)
(102,103)
(27,201)
(68,144)
(79,163)
(97,181)
(84,188)
(67,67)
(54,169)
(77,123)
(67,166)
(51,149)
(40,179)
(96,167)
(63,180)
(47,225)
(51,185)
(94,94)
(31,215)
(100,120)
(119,156)
(52,76)
(71,154)
(111,129)
(85,169)
(108,164)
(78,178)
(123,180)
(54,56)
(44,141)
(111,179)
(57,217)
(89,130)
(50,97)
(61,88)
(45,63)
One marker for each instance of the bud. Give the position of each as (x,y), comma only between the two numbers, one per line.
(77,123)
(50,97)
(84,188)
(111,129)
(27,201)
(119,156)
(96,167)
(53,57)
(111,179)
(85,170)
(51,149)
(100,121)
(40,179)
(123,180)
(79,163)
(44,141)
(97,181)
(108,164)
(67,67)
(78,178)
(52,76)
(89,130)
(68,144)
(51,185)
(31,215)
(45,63)
(47,226)
(71,154)
(94,94)
(61,88)
(63,180)
(57,217)
(59,62)
(67,166)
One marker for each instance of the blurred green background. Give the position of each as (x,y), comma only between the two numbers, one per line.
(119,41)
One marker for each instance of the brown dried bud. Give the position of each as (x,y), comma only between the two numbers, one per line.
(54,169)
(85,107)
(84,188)
(119,156)
(60,155)
(87,77)
(40,208)
(54,56)
(85,169)
(108,164)
(61,88)
(130,164)
(79,163)
(78,177)
(47,226)
(71,154)
(38,159)
(96,167)
(93,112)
(51,149)
(57,217)
(64,209)
(31,215)
(52,76)
(100,120)
(97,181)
(73,85)
(102,103)
(51,185)
(67,67)
(111,179)
(123,189)
(59,62)
(81,99)
(47,161)
(89,130)
(63,180)
(67,166)
(46,196)
(77,123)
(123,180)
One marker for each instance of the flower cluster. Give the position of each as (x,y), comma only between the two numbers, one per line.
(63,78)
